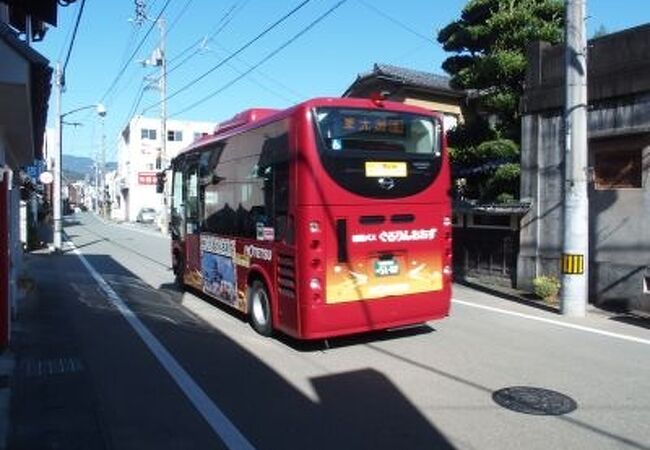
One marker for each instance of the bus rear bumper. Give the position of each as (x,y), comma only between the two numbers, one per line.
(339,319)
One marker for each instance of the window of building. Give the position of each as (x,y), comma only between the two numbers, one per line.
(199,135)
(618,169)
(147,133)
(174,136)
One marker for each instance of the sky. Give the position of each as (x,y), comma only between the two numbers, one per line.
(317,51)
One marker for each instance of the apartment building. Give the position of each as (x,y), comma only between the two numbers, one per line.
(140,157)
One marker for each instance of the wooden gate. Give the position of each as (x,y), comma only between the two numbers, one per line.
(486,247)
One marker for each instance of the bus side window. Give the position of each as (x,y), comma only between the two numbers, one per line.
(281,190)
(177,214)
(274,168)
(192,198)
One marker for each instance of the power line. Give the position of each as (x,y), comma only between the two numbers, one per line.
(64,44)
(198,41)
(136,102)
(126,64)
(397,22)
(268,77)
(261,85)
(74,35)
(265,59)
(241,49)
(180,14)
(226,19)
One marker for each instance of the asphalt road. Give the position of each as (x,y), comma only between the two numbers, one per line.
(162,369)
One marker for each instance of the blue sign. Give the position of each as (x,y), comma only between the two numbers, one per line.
(35,170)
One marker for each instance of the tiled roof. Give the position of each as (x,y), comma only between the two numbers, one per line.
(412,77)
(404,77)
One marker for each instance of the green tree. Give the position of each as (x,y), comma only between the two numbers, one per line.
(489,43)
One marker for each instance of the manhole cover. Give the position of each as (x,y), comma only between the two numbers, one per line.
(533,400)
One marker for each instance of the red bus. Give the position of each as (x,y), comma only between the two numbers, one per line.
(332,217)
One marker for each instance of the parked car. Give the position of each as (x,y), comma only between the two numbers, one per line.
(146,215)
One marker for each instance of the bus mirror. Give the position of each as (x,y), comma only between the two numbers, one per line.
(160,182)
(216,179)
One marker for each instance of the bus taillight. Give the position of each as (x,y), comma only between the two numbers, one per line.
(447,269)
(315,284)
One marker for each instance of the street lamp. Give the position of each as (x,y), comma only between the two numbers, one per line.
(58,173)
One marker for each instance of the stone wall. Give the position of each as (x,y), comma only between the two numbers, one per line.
(618,120)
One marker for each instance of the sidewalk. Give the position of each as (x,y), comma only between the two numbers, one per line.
(636,318)
(46,396)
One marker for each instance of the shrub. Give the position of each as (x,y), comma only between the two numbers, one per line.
(505,198)
(504,180)
(546,287)
(498,149)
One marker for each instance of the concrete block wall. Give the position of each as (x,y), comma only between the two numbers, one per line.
(618,118)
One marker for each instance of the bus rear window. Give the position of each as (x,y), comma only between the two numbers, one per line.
(379,153)
(345,130)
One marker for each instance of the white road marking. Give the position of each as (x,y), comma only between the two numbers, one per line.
(135,228)
(215,418)
(555,322)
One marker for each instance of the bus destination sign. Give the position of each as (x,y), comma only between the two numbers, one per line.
(368,124)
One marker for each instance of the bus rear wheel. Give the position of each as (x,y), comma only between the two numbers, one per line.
(259,309)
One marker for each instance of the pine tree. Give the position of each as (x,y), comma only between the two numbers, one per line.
(489,42)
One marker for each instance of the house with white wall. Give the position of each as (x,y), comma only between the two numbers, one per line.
(140,157)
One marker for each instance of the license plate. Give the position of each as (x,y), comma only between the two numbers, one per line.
(386,267)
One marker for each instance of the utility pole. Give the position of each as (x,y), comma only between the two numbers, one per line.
(163,114)
(56,188)
(575,248)
(163,90)
(96,203)
(102,169)
(159,59)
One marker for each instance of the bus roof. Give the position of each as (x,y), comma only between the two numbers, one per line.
(255,117)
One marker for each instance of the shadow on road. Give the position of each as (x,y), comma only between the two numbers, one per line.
(119,397)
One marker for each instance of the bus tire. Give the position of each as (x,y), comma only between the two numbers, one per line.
(259,309)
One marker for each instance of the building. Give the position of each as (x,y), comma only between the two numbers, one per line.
(411,87)
(24,91)
(619,173)
(140,159)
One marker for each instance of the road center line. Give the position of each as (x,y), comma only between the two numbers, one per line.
(215,418)
(555,322)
